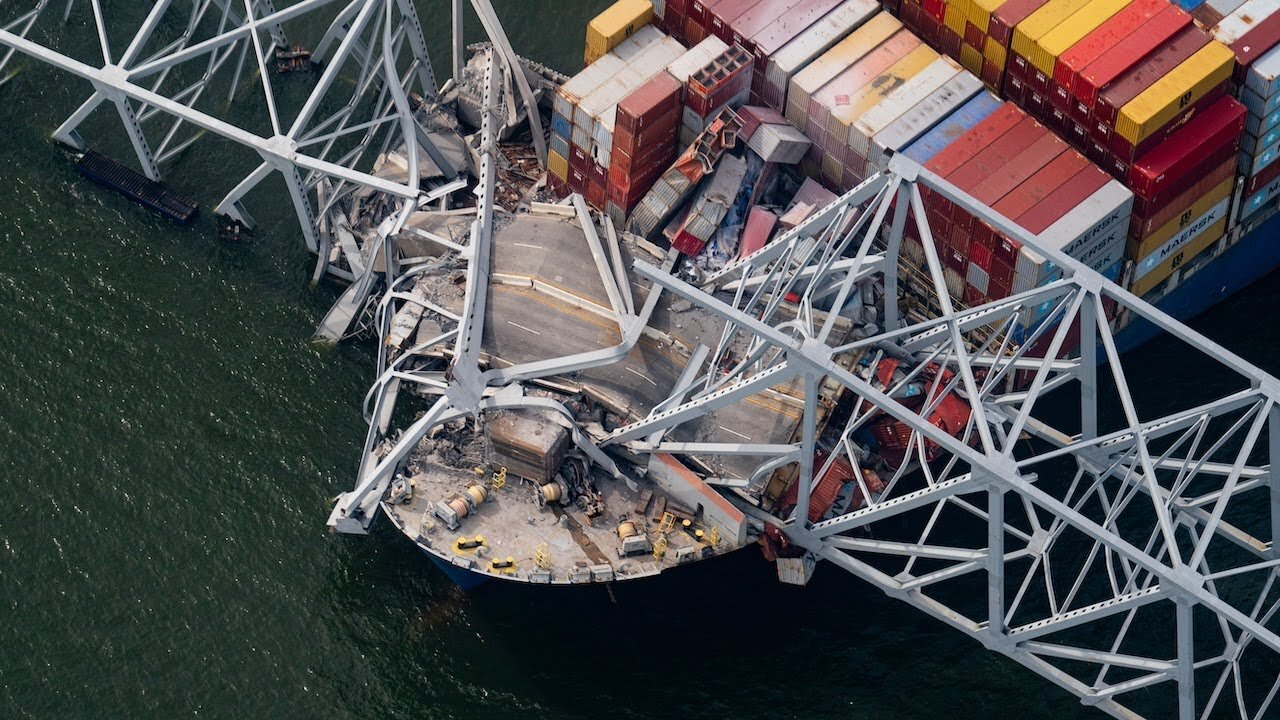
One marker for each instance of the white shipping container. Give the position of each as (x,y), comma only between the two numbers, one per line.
(1257,160)
(696,58)
(1224,7)
(1264,74)
(779,143)
(1258,105)
(921,118)
(817,39)
(1101,219)
(1243,19)
(1250,143)
(652,60)
(584,82)
(934,76)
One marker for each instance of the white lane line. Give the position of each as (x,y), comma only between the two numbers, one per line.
(535,247)
(734,432)
(641,375)
(526,329)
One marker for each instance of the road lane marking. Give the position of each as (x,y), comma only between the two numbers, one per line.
(535,332)
(641,375)
(535,247)
(734,432)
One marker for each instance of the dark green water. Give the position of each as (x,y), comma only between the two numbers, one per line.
(168,442)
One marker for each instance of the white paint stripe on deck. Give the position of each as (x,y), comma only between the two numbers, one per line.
(642,375)
(526,329)
(734,432)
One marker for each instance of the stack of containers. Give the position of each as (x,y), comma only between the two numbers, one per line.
(644,142)
(669,16)
(698,57)
(584,111)
(1252,31)
(617,23)
(785,26)
(880,29)
(902,51)
(725,82)
(1184,189)
(920,71)
(796,54)
(1027,173)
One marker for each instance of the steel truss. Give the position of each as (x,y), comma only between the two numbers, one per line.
(1126,556)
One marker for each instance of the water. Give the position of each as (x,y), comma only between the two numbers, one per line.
(169,441)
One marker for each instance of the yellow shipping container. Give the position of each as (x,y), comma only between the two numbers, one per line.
(1049,16)
(980,13)
(1151,243)
(971,59)
(1178,90)
(954,18)
(995,52)
(558,165)
(870,95)
(1071,31)
(832,166)
(1177,259)
(835,61)
(614,25)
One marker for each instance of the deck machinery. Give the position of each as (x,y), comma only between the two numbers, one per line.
(1127,557)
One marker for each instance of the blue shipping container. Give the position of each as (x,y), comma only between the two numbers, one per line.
(956,124)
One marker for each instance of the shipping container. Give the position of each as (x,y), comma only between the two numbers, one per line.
(1039,186)
(1107,35)
(784,28)
(571,92)
(1027,34)
(1146,221)
(617,23)
(1168,164)
(920,118)
(845,86)
(1194,78)
(1142,247)
(1045,52)
(889,97)
(1114,62)
(958,123)
(722,16)
(845,53)
(797,54)
(1198,237)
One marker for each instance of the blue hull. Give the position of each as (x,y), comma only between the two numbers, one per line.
(465,579)
(1256,255)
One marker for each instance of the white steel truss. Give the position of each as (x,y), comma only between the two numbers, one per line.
(1126,555)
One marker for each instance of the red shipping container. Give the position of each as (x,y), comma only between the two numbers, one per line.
(948,41)
(1060,201)
(694,33)
(1102,38)
(1000,284)
(974,37)
(1125,151)
(935,9)
(1140,226)
(725,12)
(648,157)
(1113,63)
(1030,158)
(1255,43)
(980,255)
(955,259)
(1041,184)
(578,159)
(960,151)
(662,132)
(1255,183)
(991,75)
(1007,16)
(1170,162)
(1006,253)
(598,175)
(973,297)
(578,180)
(1015,90)
(647,104)
(698,11)
(997,154)
(1144,73)
(596,195)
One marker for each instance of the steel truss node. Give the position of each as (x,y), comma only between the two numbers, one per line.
(1126,556)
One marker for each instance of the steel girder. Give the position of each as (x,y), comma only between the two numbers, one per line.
(1126,556)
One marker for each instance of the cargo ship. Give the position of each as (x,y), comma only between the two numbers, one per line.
(1136,136)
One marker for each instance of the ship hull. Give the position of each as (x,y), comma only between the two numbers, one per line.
(463,578)
(1256,255)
